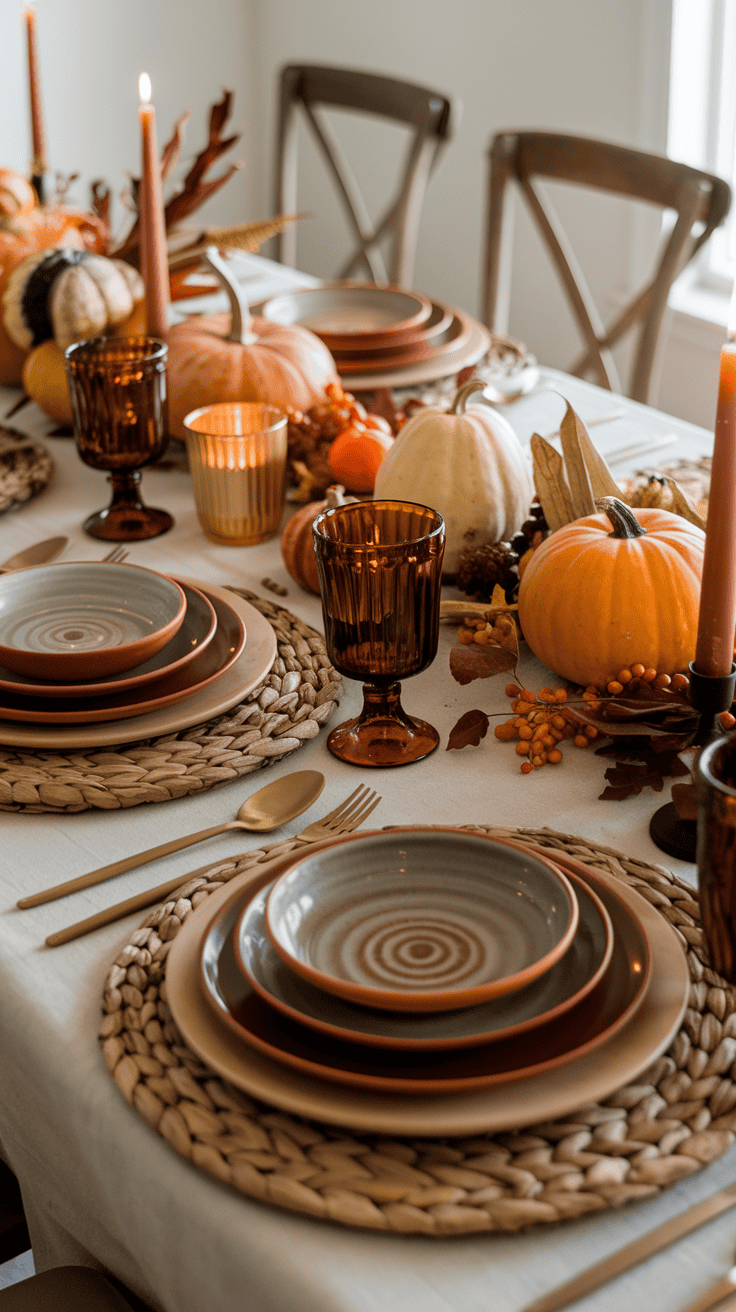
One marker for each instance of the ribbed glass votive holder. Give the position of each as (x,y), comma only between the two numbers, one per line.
(237,459)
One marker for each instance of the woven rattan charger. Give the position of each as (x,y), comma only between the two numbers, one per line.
(676,1117)
(288,708)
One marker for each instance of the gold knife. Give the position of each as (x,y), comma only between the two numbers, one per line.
(638,1251)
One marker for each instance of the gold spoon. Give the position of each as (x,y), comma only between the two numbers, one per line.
(270,807)
(38,554)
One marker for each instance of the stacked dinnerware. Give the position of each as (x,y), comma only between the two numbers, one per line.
(86,642)
(375,332)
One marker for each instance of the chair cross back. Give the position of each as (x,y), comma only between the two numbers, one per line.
(699,200)
(313,89)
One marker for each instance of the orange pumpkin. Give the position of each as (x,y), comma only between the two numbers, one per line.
(297,543)
(594,601)
(17,195)
(257,360)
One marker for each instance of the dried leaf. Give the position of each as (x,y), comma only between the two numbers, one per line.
(550,485)
(172,150)
(578,479)
(100,200)
(475,662)
(470,729)
(628,781)
(685,798)
(683,506)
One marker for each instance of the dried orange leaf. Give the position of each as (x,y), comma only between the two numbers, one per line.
(470,729)
(475,662)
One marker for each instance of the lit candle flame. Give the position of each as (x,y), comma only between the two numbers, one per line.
(144,88)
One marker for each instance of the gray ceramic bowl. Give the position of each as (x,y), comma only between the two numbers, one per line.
(421,919)
(76,620)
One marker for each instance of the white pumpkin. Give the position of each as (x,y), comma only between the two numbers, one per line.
(466,463)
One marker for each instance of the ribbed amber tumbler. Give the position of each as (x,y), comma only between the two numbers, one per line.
(380,570)
(118,394)
(237,459)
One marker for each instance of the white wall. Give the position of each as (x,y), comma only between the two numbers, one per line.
(597,67)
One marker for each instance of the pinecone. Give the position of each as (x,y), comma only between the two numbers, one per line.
(481,568)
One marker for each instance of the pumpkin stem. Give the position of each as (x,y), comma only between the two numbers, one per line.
(625,523)
(463,393)
(240,328)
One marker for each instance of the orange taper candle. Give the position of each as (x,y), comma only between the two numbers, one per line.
(39,145)
(154,256)
(717,618)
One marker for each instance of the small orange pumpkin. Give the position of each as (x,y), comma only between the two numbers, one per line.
(614,589)
(297,543)
(257,360)
(17,195)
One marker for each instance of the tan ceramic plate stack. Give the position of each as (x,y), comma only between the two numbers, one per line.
(383,336)
(94,653)
(412,967)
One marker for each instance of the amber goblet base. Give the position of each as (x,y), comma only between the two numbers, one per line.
(383,734)
(127,519)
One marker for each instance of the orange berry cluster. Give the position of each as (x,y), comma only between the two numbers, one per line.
(631,678)
(541,722)
(499,632)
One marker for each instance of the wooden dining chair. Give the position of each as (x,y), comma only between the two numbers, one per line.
(310,91)
(698,202)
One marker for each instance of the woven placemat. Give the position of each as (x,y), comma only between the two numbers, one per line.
(676,1117)
(25,468)
(290,706)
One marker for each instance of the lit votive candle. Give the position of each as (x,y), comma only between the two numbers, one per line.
(237,459)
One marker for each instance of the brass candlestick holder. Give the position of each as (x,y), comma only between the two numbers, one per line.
(709,695)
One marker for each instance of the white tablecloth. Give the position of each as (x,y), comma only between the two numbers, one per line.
(100,1186)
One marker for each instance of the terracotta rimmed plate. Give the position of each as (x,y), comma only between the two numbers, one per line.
(450,340)
(195,634)
(351,314)
(220,654)
(429,1073)
(82,619)
(540,1097)
(424,371)
(421,919)
(243,676)
(567,983)
(426,334)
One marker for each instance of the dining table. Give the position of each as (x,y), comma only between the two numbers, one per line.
(100,1186)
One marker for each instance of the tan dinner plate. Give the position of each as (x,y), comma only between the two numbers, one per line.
(544,1096)
(209,665)
(244,675)
(196,632)
(449,342)
(470,351)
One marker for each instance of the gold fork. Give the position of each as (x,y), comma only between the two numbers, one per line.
(342,820)
(115,556)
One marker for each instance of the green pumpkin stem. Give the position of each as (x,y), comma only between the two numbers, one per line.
(625,523)
(241,321)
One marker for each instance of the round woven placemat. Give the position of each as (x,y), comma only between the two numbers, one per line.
(290,706)
(678,1115)
(25,468)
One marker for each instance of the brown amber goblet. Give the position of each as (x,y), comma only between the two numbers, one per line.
(716,851)
(118,395)
(380,570)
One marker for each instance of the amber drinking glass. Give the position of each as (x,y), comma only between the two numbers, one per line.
(118,394)
(716,852)
(380,570)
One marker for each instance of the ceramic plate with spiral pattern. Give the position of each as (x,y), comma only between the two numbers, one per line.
(421,921)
